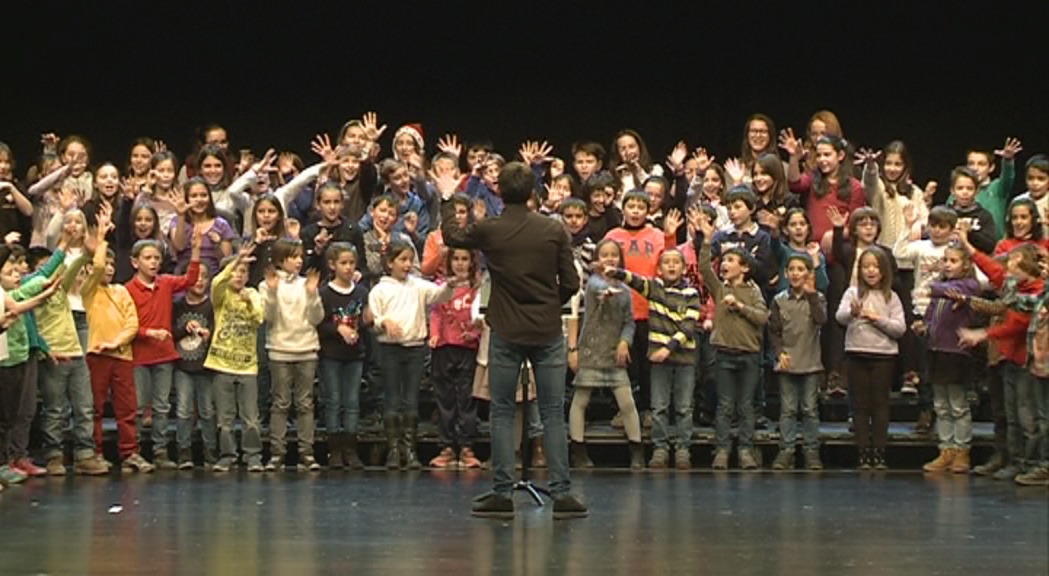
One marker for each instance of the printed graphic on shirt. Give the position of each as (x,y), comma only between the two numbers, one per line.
(349,315)
(192,347)
(235,342)
(974,223)
(635,250)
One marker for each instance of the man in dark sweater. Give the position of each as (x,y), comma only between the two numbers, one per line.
(530,261)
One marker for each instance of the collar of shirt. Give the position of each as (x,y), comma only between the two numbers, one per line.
(751,230)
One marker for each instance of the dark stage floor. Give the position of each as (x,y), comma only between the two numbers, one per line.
(414,523)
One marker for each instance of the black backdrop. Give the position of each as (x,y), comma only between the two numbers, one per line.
(943,78)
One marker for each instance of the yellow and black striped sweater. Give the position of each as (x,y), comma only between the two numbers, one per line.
(673,315)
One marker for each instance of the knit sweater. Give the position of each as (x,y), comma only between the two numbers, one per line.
(735,330)
(607,321)
(404,302)
(890,210)
(16,335)
(794,328)
(876,337)
(673,315)
(292,315)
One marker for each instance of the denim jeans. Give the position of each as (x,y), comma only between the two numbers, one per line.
(341,382)
(1041,398)
(190,387)
(263,380)
(153,384)
(292,384)
(402,371)
(706,376)
(504,368)
(798,393)
(738,376)
(672,382)
(66,386)
(235,392)
(1028,414)
(1016,383)
(80,322)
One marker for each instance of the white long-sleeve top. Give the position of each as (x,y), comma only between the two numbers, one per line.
(872,337)
(404,302)
(292,316)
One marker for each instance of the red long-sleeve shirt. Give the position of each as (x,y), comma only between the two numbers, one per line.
(155,305)
(816,207)
(1010,335)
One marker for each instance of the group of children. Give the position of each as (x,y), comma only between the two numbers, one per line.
(237,282)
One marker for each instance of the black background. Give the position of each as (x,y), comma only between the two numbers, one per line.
(942,76)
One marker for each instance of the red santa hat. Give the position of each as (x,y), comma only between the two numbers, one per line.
(415,131)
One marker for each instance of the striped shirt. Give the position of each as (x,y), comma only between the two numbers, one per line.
(673,315)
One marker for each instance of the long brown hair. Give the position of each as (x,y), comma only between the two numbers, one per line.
(746,154)
(884,266)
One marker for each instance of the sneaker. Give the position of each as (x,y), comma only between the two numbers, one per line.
(445,460)
(812,460)
(255,464)
(994,464)
(493,505)
(9,475)
(910,384)
(1009,472)
(185,459)
(308,464)
(161,461)
(878,460)
(720,460)
(784,460)
(683,459)
(1036,477)
(90,466)
(136,463)
(866,459)
(568,506)
(55,466)
(660,459)
(467,459)
(746,459)
(29,468)
(223,465)
(617,420)
(275,463)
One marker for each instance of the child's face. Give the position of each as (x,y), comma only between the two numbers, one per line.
(866,231)
(75,154)
(691,168)
(6,170)
(344,266)
(870,271)
(22,265)
(199,198)
(608,255)
(712,184)
(383,216)
(1037,182)
(401,265)
(964,190)
(798,229)
(111,269)
(939,233)
(1013,268)
(575,220)
(239,277)
(446,166)
(401,181)
(655,194)
(758,137)
(9,276)
(979,163)
(634,212)
(828,159)
(293,263)
(762,179)
(491,175)
(628,148)
(404,146)
(797,273)
(1021,220)
(671,267)
(165,174)
(211,170)
(266,215)
(739,214)
(462,214)
(355,138)
(330,205)
(585,165)
(954,266)
(598,201)
(475,155)
(349,167)
(144,224)
(816,130)
(559,190)
(140,156)
(461,261)
(894,167)
(107,181)
(217,137)
(733,268)
(200,288)
(148,262)
(74,226)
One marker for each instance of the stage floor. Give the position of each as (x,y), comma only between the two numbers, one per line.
(415,523)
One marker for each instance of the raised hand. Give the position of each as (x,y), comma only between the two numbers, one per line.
(320,241)
(292,226)
(104,219)
(449,144)
(705,226)
(159,146)
(676,159)
(49,141)
(866,156)
(12,238)
(961,232)
(411,222)
(790,144)
(67,198)
(1011,148)
(262,235)
(703,160)
(244,254)
(272,280)
(837,218)
(178,201)
(672,221)
(313,281)
(735,170)
(372,130)
(321,146)
(266,164)
(815,253)
(910,214)
(445,182)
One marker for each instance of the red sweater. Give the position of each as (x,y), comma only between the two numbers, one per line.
(451,323)
(1010,335)
(641,250)
(816,207)
(1006,245)
(155,305)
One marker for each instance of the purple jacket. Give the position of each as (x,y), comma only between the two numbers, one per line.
(943,318)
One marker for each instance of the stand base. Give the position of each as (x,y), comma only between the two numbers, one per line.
(532,490)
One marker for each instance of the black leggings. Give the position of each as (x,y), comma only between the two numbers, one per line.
(870,379)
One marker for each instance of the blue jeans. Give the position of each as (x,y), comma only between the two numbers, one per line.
(153,384)
(190,387)
(1041,398)
(341,382)
(66,386)
(738,376)
(80,322)
(402,371)
(1016,382)
(795,389)
(504,369)
(672,382)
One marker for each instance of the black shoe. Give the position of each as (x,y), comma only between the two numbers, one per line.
(762,422)
(493,505)
(568,506)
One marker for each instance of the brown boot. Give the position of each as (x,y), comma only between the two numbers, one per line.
(961,463)
(350,456)
(943,462)
(538,455)
(90,466)
(335,449)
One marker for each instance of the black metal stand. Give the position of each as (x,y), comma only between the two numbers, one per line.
(525,484)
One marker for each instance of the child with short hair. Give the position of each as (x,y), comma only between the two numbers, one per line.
(114,324)
(602,214)
(993,195)
(194,321)
(795,318)
(435,252)
(342,354)
(981,223)
(383,212)
(234,360)
(738,336)
(745,234)
(293,309)
(574,216)
(1037,172)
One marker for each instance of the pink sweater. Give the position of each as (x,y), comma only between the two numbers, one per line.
(452,323)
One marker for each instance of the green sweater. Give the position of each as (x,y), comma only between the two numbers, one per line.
(17,336)
(737,331)
(996,194)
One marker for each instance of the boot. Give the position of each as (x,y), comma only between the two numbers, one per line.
(393,433)
(961,462)
(924,423)
(580,458)
(994,464)
(637,456)
(538,455)
(943,462)
(409,438)
(350,456)
(336,443)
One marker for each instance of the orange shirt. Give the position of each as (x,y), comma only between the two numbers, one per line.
(641,250)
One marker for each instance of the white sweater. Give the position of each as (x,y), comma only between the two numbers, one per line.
(292,317)
(404,303)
